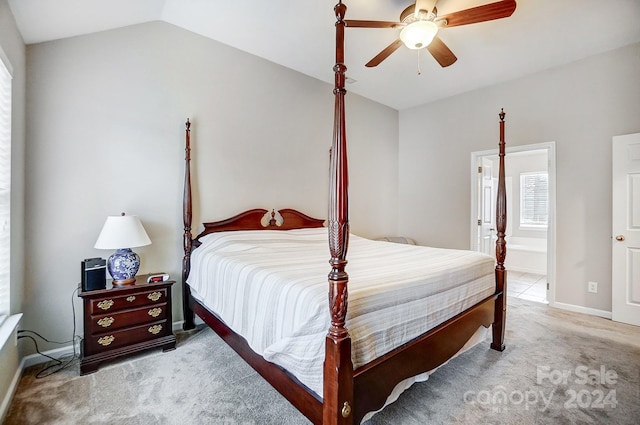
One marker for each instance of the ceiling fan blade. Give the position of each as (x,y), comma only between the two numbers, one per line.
(371,24)
(384,54)
(441,52)
(488,12)
(426,5)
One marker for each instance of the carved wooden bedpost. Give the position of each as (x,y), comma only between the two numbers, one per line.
(501,249)
(338,369)
(189,322)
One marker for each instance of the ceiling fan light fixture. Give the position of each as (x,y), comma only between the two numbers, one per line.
(418,34)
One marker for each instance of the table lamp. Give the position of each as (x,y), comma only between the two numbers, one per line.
(122,233)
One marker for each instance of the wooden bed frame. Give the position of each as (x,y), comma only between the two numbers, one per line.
(348,394)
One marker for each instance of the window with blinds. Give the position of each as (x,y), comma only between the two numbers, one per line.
(5,187)
(534,199)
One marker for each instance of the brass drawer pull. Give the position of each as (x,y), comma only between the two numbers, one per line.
(154,312)
(155,329)
(131,298)
(106,340)
(105,304)
(105,322)
(154,296)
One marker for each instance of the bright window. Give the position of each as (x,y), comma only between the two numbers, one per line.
(5,187)
(534,200)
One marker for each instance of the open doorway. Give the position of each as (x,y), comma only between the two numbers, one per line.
(530,233)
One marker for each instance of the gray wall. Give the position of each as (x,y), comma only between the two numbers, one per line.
(14,51)
(106,134)
(580,106)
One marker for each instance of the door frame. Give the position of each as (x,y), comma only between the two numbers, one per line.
(550,147)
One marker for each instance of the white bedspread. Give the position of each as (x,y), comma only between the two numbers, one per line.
(270,286)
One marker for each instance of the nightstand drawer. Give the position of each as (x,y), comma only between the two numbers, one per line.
(109,304)
(122,319)
(111,340)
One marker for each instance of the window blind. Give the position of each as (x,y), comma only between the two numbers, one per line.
(534,199)
(5,188)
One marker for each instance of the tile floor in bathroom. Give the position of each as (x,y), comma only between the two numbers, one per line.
(528,286)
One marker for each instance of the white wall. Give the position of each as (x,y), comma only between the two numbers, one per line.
(15,52)
(106,117)
(580,106)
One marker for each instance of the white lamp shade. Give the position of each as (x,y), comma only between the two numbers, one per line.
(418,34)
(124,231)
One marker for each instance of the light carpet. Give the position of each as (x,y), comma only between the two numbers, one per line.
(559,367)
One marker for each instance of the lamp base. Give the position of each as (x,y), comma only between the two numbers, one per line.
(123,266)
(125,282)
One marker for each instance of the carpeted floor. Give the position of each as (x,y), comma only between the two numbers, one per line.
(550,373)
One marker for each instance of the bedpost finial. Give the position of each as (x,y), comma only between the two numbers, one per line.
(188,124)
(340,10)
(501,114)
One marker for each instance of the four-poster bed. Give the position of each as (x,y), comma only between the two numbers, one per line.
(349,386)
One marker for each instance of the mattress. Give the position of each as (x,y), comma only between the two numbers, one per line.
(270,286)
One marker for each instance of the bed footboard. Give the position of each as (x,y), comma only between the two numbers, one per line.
(376,380)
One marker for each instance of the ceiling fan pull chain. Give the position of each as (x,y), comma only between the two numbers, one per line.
(419,71)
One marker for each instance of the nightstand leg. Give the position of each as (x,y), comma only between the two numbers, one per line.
(88,367)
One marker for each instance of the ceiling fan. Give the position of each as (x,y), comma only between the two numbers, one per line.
(420,24)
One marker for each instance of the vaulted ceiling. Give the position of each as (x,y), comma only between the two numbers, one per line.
(299,34)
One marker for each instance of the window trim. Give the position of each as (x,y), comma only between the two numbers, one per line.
(6,76)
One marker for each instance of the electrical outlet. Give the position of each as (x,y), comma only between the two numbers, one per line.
(592,287)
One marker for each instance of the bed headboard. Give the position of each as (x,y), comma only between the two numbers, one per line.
(253,220)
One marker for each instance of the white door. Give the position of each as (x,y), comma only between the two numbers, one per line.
(626,229)
(486,208)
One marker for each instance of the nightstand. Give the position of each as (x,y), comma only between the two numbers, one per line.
(124,320)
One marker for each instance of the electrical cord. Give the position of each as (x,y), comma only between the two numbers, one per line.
(23,331)
(60,363)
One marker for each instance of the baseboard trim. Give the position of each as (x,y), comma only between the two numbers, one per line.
(56,353)
(581,309)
